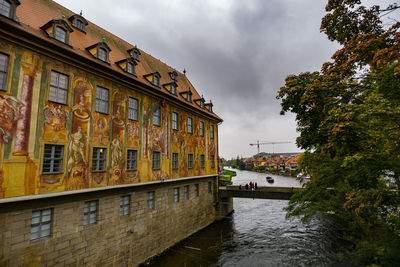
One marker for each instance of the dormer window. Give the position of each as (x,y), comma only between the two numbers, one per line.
(189,96)
(174,75)
(202,104)
(100,51)
(8,8)
(79,25)
(5,8)
(59,30)
(61,34)
(173,88)
(78,22)
(134,53)
(154,78)
(127,65)
(129,68)
(102,54)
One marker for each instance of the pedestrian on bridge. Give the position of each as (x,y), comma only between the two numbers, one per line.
(240,187)
(247,186)
(255,186)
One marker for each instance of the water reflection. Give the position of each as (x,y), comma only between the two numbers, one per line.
(257,234)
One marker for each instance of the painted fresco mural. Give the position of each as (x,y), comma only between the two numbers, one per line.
(29,122)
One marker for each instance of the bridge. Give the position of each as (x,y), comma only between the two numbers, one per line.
(264,192)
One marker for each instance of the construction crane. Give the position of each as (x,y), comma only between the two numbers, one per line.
(258,144)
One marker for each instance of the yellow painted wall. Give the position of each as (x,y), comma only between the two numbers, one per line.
(79,128)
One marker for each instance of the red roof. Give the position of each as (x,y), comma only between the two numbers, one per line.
(33,14)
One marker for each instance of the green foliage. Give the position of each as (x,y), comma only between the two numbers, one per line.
(230,173)
(348,117)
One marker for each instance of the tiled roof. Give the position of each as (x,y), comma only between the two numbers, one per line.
(33,14)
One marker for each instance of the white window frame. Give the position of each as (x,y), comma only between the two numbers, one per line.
(202,161)
(133,108)
(125,205)
(175,118)
(99,159)
(175,160)
(90,212)
(131,160)
(102,99)
(151,200)
(190,125)
(4,72)
(57,89)
(201,128)
(157,117)
(190,161)
(52,159)
(186,189)
(41,223)
(176,194)
(156,162)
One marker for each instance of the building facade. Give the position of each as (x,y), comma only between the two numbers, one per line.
(95,135)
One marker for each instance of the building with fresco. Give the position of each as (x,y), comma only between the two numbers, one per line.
(107,155)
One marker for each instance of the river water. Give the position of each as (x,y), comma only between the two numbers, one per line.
(258,234)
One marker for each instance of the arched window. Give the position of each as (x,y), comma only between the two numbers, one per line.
(61,34)
(5,8)
(102,54)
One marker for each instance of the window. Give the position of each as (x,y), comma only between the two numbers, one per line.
(196,190)
(156,80)
(202,104)
(176,194)
(58,88)
(102,54)
(5,8)
(190,161)
(212,131)
(3,71)
(174,121)
(173,89)
(41,223)
(174,161)
(156,117)
(209,187)
(124,205)
(201,128)
(61,34)
(53,159)
(131,161)
(156,160)
(90,212)
(212,162)
(79,24)
(190,127)
(99,159)
(150,200)
(133,109)
(202,161)
(189,96)
(186,192)
(102,100)
(129,68)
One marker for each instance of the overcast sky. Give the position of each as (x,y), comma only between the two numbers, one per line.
(236,53)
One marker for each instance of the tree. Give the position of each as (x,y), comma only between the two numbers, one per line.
(348,116)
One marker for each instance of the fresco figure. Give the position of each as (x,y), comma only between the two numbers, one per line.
(116,151)
(76,149)
(9,109)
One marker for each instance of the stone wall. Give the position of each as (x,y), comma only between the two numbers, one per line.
(113,240)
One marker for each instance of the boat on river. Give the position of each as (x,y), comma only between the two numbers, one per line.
(270,179)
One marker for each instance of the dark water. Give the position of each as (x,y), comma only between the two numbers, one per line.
(257,234)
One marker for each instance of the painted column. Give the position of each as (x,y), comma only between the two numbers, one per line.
(24,118)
